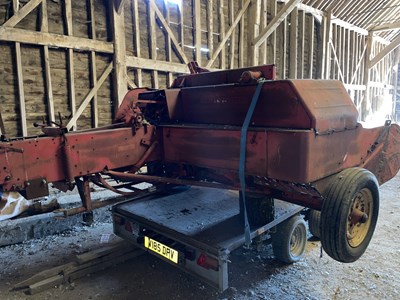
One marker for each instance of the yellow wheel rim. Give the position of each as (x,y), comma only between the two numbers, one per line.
(359,218)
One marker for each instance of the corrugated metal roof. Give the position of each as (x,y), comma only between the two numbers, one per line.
(367,14)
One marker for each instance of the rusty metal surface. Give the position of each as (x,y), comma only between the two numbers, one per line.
(278,106)
(222,77)
(89,152)
(328,103)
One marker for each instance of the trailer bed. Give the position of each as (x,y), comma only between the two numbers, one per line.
(194,222)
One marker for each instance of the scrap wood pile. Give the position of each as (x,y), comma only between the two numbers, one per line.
(83,265)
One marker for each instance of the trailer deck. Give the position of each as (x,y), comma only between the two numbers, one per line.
(194,230)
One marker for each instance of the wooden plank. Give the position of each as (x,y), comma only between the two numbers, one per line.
(93,65)
(221,35)
(311,48)
(325,46)
(20,78)
(386,27)
(197,30)
(210,28)
(284,48)
(366,103)
(253,30)
(139,78)
(70,59)
(21,13)
(347,25)
(158,65)
(226,36)
(170,78)
(167,28)
(54,40)
(388,49)
(273,38)
(89,96)
(293,43)
(153,40)
(278,19)
(302,34)
(233,35)
(2,128)
(241,39)
(120,71)
(47,69)
(45,284)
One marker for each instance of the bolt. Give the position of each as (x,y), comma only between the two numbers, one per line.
(7,178)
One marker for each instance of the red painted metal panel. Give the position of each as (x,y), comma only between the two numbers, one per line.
(88,153)
(278,106)
(327,103)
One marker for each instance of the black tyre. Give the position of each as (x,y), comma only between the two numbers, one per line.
(349,214)
(260,208)
(314,222)
(290,239)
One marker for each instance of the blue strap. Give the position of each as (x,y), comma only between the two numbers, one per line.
(242,160)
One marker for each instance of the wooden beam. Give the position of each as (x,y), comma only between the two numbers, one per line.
(241,39)
(47,70)
(276,21)
(179,50)
(139,78)
(20,82)
(366,103)
(386,27)
(347,25)
(221,33)
(89,96)
(228,34)
(233,35)
(21,13)
(302,21)
(153,39)
(293,43)
(120,71)
(21,93)
(253,31)
(197,30)
(170,78)
(311,48)
(119,5)
(93,65)
(70,59)
(54,40)
(156,65)
(389,48)
(326,48)
(274,5)
(210,28)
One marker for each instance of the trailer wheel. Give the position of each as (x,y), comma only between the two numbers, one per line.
(260,208)
(349,214)
(314,222)
(290,239)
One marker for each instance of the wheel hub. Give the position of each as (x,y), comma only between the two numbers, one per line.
(358,221)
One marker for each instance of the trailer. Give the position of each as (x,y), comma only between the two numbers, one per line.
(197,229)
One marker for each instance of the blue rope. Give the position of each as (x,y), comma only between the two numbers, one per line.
(242,160)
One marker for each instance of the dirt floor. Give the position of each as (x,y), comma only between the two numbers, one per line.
(253,274)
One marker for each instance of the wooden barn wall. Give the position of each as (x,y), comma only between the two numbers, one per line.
(76,59)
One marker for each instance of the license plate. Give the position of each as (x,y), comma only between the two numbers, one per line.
(161,249)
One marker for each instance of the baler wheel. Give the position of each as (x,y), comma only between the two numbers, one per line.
(314,222)
(349,214)
(260,208)
(290,239)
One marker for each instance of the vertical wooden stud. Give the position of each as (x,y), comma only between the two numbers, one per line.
(293,43)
